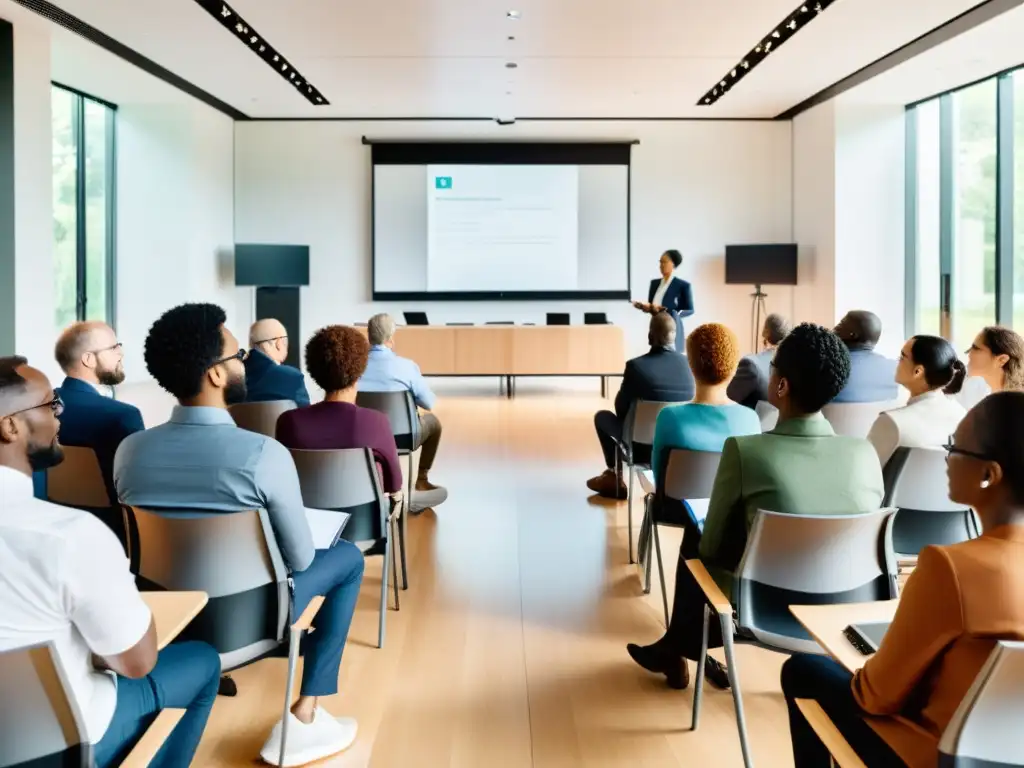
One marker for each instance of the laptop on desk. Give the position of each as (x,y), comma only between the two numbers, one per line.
(415,318)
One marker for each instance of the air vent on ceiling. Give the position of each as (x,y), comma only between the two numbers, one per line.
(242,30)
(793,23)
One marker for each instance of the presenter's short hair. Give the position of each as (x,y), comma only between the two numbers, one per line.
(336,357)
(816,363)
(676,256)
(714,352)
(380,328)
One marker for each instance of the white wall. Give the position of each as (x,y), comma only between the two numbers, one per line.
(175,193)
(695,186)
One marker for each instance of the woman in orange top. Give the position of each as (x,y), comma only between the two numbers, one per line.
(959,600)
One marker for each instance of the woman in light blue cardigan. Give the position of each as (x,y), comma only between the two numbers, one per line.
(704,423)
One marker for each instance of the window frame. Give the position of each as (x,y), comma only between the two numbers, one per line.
(78,132)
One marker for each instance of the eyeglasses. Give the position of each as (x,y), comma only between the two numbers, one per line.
(56,405)
(267,341)
(239,355)
(952,449)
(105,349)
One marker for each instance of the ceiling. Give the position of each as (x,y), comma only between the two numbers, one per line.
(576,58)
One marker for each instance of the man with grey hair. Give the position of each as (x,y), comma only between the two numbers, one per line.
(387,372)
(750,384)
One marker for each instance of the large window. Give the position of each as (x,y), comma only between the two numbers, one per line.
(965,204)
(83,208)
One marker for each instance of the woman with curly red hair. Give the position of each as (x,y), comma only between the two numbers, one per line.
(335,358)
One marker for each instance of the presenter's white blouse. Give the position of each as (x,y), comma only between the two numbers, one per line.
(659,295)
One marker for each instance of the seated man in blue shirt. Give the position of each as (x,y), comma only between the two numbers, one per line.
(266,376)
(200,459)
(91,357)
(872,376)
(387,372)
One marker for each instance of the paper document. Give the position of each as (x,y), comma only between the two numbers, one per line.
(326,526)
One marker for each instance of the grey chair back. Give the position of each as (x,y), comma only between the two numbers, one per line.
(41,725)
(768,415)
(985,730)
(400,408)
(811,560)
(855,419)
(77,481)
(347,481)
(916,485)
(260,417)
(690,474)
(233,557)
(638,428)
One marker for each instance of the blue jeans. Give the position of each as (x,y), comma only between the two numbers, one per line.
(185,677)
(337,574)
(826,681)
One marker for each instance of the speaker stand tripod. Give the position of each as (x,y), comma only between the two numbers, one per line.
(758,314)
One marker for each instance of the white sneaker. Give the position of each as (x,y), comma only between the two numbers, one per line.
(423,499)
(323,737)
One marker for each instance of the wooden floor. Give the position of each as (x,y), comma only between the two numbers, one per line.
(509,649)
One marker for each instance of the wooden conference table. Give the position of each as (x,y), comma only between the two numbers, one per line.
(508,351)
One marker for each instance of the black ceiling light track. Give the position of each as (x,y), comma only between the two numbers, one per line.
(242,30)
(792,24)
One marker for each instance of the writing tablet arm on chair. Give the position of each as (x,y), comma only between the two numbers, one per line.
(153,739)
(841,751)
(712,592)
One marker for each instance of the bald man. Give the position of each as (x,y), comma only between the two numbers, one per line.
(65,580)
(266,376)
(92,360)
(872,376)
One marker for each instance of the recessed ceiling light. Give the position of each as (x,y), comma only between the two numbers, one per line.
(512,15)
(511,65)
(511,37)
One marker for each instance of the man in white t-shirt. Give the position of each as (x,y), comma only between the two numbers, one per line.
(64,578)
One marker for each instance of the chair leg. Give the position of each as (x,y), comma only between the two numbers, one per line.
(394,564)
(698,688)
(629,511)
(734,683)
(661,571)
(401,545)
(384,592)
(294,638)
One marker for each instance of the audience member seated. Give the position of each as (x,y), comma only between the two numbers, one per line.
(336,357)
(871,374)
(800,467)
(387,372)
(266,376)
(64,578)
(930,371)
(91,357)
(750,384)
(704,423)
(958,602)
(997,356)
(200,459)
(661,375)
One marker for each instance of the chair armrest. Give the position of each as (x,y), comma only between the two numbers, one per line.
(145,750)
(711,590)
(306,619)
(830,736)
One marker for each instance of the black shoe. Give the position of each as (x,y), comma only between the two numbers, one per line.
(653,660)
(227,687)
(716,673)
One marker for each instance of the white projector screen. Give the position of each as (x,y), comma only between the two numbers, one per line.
(500,230)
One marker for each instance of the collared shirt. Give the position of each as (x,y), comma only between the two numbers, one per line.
(64,579)
(659,295)
(387,372)
(200,459)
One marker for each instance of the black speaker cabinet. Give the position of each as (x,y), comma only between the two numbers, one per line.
(283,304)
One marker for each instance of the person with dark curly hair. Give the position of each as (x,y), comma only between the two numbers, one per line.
(201,460)
(800,467)
(336,357)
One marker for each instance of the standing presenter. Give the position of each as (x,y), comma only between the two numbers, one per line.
(669,294)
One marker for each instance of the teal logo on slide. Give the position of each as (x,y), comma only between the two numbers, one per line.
(442,182)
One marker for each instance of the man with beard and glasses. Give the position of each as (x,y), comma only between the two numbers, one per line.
(64,579)
(201,460)
(91,357)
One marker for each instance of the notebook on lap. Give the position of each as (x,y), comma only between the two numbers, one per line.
(326,526)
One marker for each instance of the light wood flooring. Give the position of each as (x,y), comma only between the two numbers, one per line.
(509,649)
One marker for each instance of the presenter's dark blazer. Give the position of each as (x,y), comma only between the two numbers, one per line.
(91,420)
(265,380)
(678,301)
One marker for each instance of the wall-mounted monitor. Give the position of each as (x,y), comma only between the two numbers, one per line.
(277,266)
(772,264)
